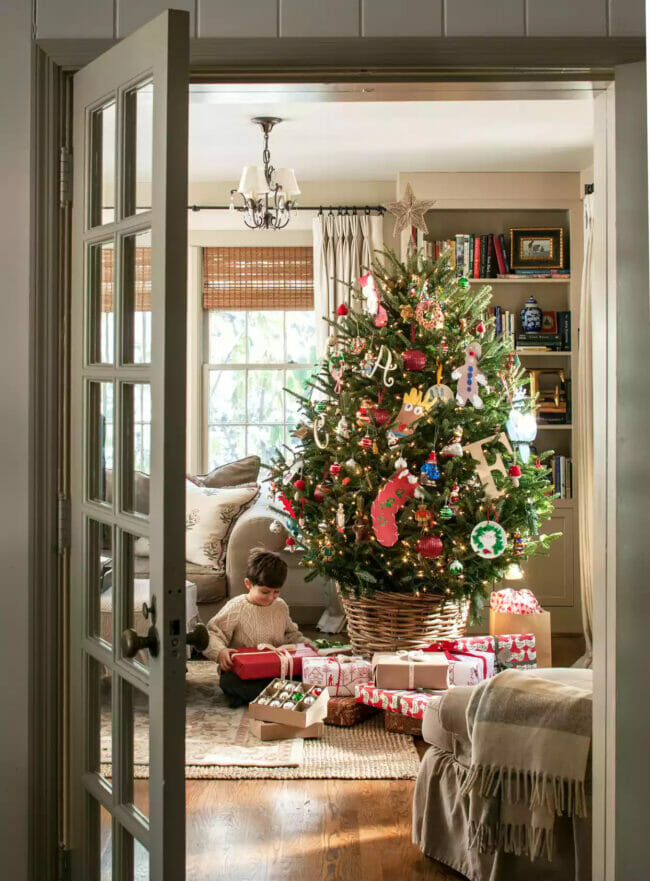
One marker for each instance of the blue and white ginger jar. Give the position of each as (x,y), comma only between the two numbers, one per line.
(531,316)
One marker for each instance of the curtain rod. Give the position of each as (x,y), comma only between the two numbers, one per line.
(322,209)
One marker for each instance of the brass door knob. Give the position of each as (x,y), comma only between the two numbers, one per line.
(198,637)
(132,642)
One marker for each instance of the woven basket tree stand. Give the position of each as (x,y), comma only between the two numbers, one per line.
(387,622)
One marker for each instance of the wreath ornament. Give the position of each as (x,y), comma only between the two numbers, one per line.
(429,314)
(488,539)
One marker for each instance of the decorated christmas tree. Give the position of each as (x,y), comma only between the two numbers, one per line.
(411,471)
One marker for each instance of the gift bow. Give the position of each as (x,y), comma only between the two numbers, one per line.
(412,658)
(517,602)
(446,646)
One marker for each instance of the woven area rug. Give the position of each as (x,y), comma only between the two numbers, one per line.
(219,744)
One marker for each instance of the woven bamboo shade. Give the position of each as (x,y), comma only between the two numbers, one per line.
(141,283)
(258,278)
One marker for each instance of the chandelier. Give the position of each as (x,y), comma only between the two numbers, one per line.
(266,192)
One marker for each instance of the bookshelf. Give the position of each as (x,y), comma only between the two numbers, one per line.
(481,204)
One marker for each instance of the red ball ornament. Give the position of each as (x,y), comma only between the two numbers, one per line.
(381,416)
(299,484)
(342,309)
(480,328)
(335,469)
(345,481)
(366,442)
(429,546)
(319,493)
(414,359)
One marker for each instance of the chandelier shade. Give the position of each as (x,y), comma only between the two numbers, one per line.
(267,193)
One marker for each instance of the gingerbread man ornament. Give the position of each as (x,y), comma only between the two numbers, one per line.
(470,377)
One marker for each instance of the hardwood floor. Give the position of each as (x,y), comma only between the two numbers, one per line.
(317,830)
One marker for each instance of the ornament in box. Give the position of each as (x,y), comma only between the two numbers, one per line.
(470,377)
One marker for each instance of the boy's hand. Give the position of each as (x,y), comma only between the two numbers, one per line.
(224,658)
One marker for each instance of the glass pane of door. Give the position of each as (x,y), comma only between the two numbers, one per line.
(128,329)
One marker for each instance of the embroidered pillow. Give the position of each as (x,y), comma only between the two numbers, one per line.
(209,514)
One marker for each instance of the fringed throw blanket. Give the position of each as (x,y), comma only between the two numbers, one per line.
(530,742)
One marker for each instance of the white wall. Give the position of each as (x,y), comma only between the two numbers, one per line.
(15,296)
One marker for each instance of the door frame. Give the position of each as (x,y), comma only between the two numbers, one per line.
(50,237)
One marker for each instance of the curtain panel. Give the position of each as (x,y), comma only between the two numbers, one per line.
(344,248)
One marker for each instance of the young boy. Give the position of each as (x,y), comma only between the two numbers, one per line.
(255,617)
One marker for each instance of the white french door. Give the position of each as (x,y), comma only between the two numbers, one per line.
(128,456)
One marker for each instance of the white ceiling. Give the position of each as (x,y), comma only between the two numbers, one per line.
(374,141)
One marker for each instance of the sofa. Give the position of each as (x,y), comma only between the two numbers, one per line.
(250,528)
(441,812)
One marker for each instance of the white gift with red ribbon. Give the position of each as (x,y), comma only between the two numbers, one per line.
(339,674)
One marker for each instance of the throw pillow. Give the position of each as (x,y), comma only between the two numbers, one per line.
(209,513)
(232,474)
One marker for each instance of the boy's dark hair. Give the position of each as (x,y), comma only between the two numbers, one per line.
(266,568)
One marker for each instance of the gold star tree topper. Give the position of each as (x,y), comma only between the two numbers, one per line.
(409,211)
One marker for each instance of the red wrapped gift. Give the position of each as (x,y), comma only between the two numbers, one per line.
(271,662)
(405,703)
(513,650)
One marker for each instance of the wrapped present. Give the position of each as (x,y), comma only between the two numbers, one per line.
(399,724)
(410,670)
(268,662)
(406,703)
(338,674)
(515,602)
(465,663)
(512,650)
(347,711)
(529,618)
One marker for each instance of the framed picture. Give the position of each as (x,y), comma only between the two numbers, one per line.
(537,248)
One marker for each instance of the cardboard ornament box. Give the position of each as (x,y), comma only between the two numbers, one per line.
(290,703)
(276,731)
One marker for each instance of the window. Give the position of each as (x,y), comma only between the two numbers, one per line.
(140,311)
(260,339)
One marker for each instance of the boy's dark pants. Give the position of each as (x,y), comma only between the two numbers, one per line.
(241,691)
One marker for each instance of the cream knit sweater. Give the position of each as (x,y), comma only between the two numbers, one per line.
(241,624)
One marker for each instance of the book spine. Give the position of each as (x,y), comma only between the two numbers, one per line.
(483,263)
(477,257)
(460,253)
(497,320)
(467,263)
(499,255)
(506,262)
(489,269)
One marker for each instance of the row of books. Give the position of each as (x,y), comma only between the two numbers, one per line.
(504,322)
(483,256)
(561,476)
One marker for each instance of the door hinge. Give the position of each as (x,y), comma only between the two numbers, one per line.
(65,177)
(63,868)
(63,524)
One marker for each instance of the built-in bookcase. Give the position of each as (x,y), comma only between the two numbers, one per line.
(473,203)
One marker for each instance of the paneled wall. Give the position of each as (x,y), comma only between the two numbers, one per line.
(349,18)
